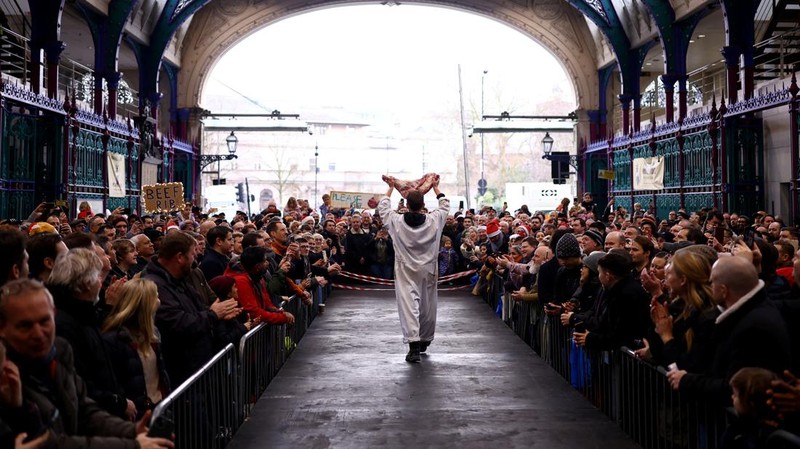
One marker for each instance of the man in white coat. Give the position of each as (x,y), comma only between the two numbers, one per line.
(416,238)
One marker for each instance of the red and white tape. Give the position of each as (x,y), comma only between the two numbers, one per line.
(389,282)
(370,289)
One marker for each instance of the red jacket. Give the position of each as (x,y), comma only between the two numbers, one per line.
(254,299)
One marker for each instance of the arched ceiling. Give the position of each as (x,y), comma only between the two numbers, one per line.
(552,23)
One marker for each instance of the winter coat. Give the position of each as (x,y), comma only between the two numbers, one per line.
(213,264)
(128,368)
(75,420)
(186,324)
(78,322)
(622,313)
(753,335)
(255,299)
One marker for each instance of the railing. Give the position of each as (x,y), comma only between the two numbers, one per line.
(15,56)
(633,393)
(17,20)
(210,406)
(203,408)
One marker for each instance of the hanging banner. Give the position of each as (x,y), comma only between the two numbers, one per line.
(116,175)
(163,197)
(648,173)
(354,200)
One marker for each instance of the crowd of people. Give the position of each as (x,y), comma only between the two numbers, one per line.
(101,317)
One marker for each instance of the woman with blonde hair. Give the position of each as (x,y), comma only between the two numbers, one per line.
(133,340)
(683,324)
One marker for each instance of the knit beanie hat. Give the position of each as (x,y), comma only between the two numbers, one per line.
(568,247)
(222,286)
(594,235)
(493,228)
(591,260)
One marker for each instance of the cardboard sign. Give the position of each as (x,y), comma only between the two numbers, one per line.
(606,174)
(354,200)
(163,197)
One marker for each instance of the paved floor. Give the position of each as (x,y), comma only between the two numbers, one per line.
(347,385)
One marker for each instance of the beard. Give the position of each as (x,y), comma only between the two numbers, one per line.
(534,269)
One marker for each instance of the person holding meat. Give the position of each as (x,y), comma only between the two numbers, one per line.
(415,236)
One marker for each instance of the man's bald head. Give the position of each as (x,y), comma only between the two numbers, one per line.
(614,239)
(732,278)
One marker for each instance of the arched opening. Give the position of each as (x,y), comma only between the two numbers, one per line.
(383,100)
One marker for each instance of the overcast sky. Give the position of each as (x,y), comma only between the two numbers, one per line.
(401,59)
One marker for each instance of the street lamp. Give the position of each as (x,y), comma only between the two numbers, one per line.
(207,159)
(232,140)
(547,145)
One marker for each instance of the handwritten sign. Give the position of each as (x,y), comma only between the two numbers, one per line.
(354,200)
(163,197)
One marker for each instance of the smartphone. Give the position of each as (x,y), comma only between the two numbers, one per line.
(719,233)
(161,427)
(126,211)
(461,205)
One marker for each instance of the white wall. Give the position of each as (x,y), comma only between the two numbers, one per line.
(777,159)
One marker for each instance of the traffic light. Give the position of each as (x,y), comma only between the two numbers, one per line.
(240,197)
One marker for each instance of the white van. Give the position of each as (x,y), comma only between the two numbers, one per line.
(222,198)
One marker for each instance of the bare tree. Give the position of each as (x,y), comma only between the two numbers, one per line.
(282,168)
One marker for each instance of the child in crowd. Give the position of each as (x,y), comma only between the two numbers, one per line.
(755,420)
(447,257)
(85,210)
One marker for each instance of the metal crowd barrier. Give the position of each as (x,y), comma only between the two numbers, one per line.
(209,407)
(203,408)
(633,393)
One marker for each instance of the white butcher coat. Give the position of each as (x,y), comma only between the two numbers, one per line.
(416,268)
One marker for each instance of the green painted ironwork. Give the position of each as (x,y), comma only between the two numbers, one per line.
(30,162)
(183,173)
(89,159)
(745,168)
(624,201)
(670,151)
(622,170)
(697,154)
(667,202)
(643,199)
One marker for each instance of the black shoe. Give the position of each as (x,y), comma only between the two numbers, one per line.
(423,346)
(413,353)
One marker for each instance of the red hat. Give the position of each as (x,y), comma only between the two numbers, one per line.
(523,230)
(493,228)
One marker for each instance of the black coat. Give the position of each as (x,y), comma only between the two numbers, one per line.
(186,325)
(356,248)
(213,264)
(623,316)
(755,335)
(128,369)
(696,359)
(78,322)
(62,402)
